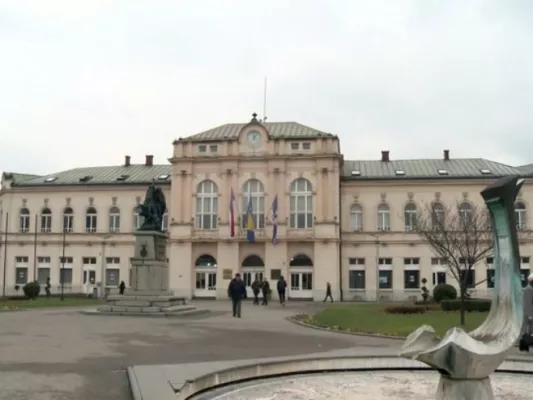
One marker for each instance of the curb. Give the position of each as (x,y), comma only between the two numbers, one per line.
(319,328)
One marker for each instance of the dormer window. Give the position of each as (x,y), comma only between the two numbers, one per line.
(442,172)
(295,146)
(123,177)
(163,177)
(50,179)
(356,173)
(306,146)
(486,171)
(86,178)
(400,172)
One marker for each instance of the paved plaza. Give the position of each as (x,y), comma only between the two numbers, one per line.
(60,354)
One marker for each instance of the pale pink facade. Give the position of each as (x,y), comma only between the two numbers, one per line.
(329,226)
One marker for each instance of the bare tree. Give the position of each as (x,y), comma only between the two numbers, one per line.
(460,234)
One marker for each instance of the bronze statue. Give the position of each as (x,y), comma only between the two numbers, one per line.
(152,209)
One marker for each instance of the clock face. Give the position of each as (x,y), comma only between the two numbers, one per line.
(253,138)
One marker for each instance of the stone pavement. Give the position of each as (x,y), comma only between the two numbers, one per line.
(60,354)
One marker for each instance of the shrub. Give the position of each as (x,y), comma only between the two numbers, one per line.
(476,305)
(444,292)
(32,289)
(405,310)
(425,291)
(17,288)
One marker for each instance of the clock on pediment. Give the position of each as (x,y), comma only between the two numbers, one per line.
(253,139)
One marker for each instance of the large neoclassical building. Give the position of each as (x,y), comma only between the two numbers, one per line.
(346,222)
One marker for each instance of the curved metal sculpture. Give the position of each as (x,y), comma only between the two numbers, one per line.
(465,360)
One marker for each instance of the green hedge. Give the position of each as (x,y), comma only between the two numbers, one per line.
(405,310)
(444,291)
(476,305)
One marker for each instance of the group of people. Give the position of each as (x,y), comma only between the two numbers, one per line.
(237,292)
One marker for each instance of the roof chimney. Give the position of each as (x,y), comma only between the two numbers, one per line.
(385,156)
(149,161)
(127,161)
(446,155)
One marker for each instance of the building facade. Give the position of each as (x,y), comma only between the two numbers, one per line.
(349,223)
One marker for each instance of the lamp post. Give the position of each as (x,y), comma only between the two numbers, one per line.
(378,243)
(143,253)
(63,264)
(102,265)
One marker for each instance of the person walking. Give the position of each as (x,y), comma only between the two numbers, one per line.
(237,292)
(527,326)
(328,293)
(121,288)
(256,289)
(265,288)
(281,287)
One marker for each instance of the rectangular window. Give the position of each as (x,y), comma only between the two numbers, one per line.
(385,261)
(439,261)
(356,279)
(439,277)
(213,148)
(46,223)
(490,278)
(112,260)
(21,275)
(43,260)
(411,261)
(42,275)
(112,277)
(67,260)
(385,279)
(90,222)
(24,223)
(356,261)
(114,223)
(68,222)
(65,275)
(21,260)
(470,277)
(89,260)
(411,279)
(202,148)
(295,146)
(306,146)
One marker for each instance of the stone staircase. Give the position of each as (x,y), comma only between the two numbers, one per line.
(147,304)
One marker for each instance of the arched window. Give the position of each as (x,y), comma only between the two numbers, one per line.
(91,220)
(301,260)
(207,205)
(253,191)
(205,260)
(114,219)
(356,218)
(68,219)
(138,220)
(437,215)
(410,216)
(253,261)
(301,204)
(383,217)
(24,220)
(465,213)
(46,220)
(520,215)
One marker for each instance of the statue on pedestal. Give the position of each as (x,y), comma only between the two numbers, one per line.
(152,209)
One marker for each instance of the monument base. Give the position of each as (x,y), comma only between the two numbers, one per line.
(147,304)
(149,276)
(462,389)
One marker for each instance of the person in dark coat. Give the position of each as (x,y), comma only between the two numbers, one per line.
(265,288)
(328,293)
(281,287)
(121,287)
(236,292)
(256,289)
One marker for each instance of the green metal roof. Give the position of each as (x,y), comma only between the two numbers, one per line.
(112,175)
(526,169)
(426,169)
(276,130)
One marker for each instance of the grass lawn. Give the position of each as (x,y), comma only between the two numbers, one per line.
(371,318)
(43,302)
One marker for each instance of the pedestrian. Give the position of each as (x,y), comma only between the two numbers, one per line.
(236,292)
(256,289)
(265,288)
(121,287)
(328,293)
(47,288)
(526,332)
(281,286)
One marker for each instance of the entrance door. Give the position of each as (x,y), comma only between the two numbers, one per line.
(206,283)
(301,285)
(89,280)
(438,278)
(249,277)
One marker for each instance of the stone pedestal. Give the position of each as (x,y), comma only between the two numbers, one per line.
(149,265)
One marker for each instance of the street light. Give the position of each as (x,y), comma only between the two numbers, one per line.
(378,243)
(102,264)
(63,263)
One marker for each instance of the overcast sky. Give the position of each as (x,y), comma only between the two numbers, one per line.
(85,82)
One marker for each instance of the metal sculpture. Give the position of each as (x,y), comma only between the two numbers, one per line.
(466,360)
(152,209)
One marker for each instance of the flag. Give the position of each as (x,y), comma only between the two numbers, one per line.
(250,223)
(232,214)
(275,220)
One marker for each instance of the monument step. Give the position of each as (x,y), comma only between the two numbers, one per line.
(178,308)
(187,313)
(147,298)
